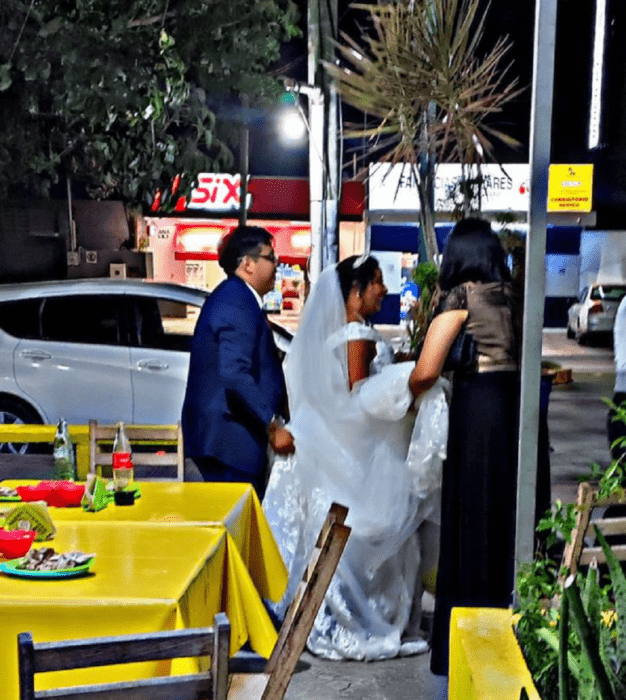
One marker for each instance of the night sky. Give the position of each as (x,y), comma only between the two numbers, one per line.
(570,123)
(268,156)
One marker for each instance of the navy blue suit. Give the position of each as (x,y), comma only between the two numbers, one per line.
(235,384)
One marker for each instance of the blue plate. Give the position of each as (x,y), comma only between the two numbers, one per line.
(11,568)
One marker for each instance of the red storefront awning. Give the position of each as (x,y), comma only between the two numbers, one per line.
(271,197)
(199,240)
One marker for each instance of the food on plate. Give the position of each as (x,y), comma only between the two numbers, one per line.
(46,559)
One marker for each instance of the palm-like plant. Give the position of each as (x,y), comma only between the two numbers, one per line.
(418,75)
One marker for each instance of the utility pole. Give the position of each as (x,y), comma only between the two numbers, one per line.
(316,145)
(332,181)
(244,159)
(534,285)
(324,176)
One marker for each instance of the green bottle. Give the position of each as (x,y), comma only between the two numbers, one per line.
(63,453)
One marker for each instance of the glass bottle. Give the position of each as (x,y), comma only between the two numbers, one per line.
(63,454)
(123,469)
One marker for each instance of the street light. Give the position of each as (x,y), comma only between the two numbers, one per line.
(316,170)
(292,127)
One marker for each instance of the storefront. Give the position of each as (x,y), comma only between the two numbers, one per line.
(184,247)
(504,196)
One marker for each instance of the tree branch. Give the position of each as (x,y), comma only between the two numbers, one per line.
(147,21)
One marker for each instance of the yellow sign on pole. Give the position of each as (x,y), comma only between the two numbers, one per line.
(570,188)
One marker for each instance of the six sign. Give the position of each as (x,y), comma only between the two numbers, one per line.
(218,192)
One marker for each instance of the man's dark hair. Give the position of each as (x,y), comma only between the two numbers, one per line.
(473,254)
(358,277)
(242,241)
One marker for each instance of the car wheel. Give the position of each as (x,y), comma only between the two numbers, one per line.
(570,333)
(13,411)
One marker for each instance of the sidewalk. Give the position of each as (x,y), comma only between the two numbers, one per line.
(393,679)
(577,425)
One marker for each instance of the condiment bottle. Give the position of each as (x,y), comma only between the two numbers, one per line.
(123,468)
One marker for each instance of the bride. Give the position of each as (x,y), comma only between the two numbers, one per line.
(359,442)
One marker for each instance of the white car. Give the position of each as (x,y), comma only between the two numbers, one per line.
(594,312)
(106,349)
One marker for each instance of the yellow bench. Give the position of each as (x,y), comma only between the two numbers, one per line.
(79,435)
(486,662)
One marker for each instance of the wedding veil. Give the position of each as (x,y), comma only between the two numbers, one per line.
(341,448)
(351,448)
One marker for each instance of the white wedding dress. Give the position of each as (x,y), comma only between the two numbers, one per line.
(366,450)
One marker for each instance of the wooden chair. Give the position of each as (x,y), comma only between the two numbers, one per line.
(86,653)
(253,678)
(156,436)
(576,553)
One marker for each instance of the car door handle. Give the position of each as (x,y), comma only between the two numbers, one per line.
(153,365)
(35,355)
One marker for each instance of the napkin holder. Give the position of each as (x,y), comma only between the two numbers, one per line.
(96,496)
(31,516)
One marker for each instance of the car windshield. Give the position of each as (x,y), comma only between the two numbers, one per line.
(608,291)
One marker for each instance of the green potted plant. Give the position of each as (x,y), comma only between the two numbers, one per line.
(419,316)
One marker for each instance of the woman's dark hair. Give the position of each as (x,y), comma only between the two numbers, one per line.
(241,241)
(473,254)
(361,276)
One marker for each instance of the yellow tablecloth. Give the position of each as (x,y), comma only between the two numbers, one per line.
(234,505)
(145,578)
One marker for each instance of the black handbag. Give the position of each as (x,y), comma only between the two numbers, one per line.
(462,354)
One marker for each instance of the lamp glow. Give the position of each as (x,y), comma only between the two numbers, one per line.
(291,126)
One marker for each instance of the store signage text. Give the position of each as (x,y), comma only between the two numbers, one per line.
(394,187)
(570,188)
(218,192)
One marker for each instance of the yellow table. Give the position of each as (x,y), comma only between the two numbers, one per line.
(485,659)
(145,578)
(181,503)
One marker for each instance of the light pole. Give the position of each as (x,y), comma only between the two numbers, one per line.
(244,148)
(322,32)
(316,171)
(534,287)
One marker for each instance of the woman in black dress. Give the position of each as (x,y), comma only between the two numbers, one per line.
(479,489)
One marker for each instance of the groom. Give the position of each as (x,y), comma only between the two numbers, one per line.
(236,388)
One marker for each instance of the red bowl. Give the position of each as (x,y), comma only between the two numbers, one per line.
(15,543)
(40,492)
(66,494)
(61,494)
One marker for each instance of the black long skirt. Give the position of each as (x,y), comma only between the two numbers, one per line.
(479,496)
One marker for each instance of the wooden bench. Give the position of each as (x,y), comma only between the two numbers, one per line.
(576,553)
(155,436)
(86,653)
(22,433)
(252,677)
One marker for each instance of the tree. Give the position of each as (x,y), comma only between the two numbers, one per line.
(418,75)
(114,92)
